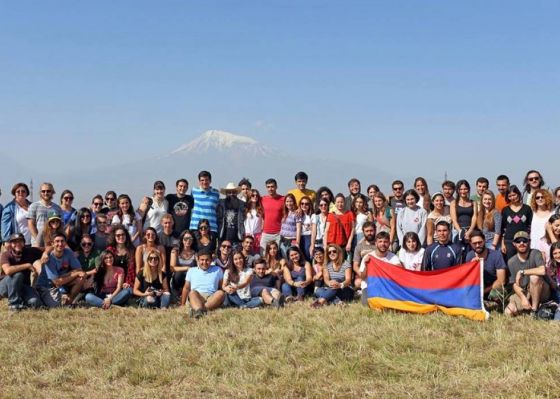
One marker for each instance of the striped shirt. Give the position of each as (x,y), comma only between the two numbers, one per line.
(338,276)
(205,203)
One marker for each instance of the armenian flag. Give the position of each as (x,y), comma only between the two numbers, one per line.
(455,291)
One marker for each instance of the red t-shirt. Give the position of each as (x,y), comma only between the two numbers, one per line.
(340,230)
(273,211)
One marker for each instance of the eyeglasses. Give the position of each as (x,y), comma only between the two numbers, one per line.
(332,251)
(68,198)
(87,244)
(21,191)
(152,258)
(254,196)
(521,241)
(226,246)
(305,203)
(533,178)
(46,191)
(120,235)
(97,203)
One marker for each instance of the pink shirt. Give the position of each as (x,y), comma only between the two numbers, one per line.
(110,283)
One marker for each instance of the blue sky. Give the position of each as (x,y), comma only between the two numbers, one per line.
(412,86)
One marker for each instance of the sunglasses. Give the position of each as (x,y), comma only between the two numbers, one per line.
(97,203)
(533,178)
(187,238)
(203,228)
(540,197)
(87,215)
(46,191)
(109,198)
(120,235)
(521,241)
(151,258)
(397,188)
(305,203)
(226,246)
(87,244)
(332,251)
(68,198)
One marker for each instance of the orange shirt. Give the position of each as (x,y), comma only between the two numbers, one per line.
(501,202)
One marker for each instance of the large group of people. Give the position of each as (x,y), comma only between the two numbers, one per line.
(237,247)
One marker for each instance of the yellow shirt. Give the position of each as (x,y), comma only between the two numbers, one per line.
(299,194)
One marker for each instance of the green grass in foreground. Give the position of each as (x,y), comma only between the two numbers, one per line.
(294,352)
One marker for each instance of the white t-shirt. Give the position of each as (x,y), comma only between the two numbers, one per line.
(411,260)
(21,221)
(316,219)
(389,258)
(253,223)
(129,224)
(245,292)
(154,215)
(306,225)
(537,228)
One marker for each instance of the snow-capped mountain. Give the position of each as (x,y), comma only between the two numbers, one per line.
(217,140)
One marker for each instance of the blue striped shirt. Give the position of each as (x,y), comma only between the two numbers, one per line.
(205,203)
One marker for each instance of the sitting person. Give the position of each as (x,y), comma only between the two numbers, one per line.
(202,286)
(182,259)
(528,277)
(337,275)
(298,275)
(236,283)
(16,269)
(318,263)
(266,285)
(60,275)
(88,257)
(495,271)
(442,253)
(151,286)
(411,253)
(108,286)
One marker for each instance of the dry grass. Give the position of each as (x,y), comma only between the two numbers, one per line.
(295,352)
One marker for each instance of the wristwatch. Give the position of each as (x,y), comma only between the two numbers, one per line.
(522,272)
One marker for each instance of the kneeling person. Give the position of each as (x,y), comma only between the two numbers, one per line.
(202,286)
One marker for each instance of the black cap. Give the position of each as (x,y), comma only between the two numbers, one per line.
(16,237)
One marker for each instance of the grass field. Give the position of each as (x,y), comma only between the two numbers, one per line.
(294,352)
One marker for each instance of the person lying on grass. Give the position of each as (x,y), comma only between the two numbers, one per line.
(202,286)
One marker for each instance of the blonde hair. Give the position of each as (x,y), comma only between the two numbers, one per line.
(147,272)
(486,218)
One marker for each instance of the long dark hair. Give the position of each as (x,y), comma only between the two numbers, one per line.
(553,264)
(130,211)
(233,272)
(101,270)
(112,241)
(301,258)
(76,231)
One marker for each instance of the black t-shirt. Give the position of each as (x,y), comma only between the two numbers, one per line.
(28,255)
(144,285)
(268,281)
(180,209)
(169,242)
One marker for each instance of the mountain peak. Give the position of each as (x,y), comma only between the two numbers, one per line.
(218,140)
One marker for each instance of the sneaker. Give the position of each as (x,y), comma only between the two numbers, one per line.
(197,314)
(15,308)
(281,300)
(290,299)
(278,303)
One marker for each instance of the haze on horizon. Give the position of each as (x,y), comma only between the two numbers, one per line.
(412,88)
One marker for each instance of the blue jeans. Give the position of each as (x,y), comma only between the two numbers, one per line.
(18,293)
(120,299)
(235,301)
(288,290)
(304,243)
(161,302)
(329,294)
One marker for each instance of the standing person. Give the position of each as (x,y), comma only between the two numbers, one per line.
(463,212)
(448,191)
(96,208)
(153,210)
(60,275)
(68,211)
(489,220)
(182,259)
(482,185)
(319,224)
(254,216)
(128,218)
(396,201)
(442,253)
(363,248)
(170,240)
(340,226)
(180,206)
(111,205)
(502,185)
(439,212)
(298,275)
(290,231)
(412,218)
(541,205)
(301,191)
(516,217)
(14,215)
(384,216)
(337,277)
(16,264)
(203,286)
(245,187)
(230,214)
(495,270)
(307,213)
(325,193)
(151,286)
(37,212)
(528,277)
(354,188)
(411,253)
(273,206)
(421,187)
(371,191)
(83,224)
(556,194)
(109,281)
(531,183)
(205,202)
(361,215)
(236,284)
